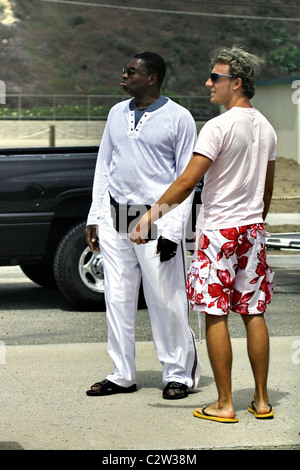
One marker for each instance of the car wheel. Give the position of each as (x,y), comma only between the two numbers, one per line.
(79,271)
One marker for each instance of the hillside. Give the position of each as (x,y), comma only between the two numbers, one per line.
(75,48)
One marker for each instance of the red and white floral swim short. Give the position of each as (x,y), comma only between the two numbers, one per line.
(229,271)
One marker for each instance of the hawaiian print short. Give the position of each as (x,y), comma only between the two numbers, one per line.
(229,271)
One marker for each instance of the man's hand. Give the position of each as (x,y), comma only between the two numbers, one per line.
(140,232)
(166,248)
(92,237)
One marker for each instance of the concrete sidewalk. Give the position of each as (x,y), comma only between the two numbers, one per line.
(44,405)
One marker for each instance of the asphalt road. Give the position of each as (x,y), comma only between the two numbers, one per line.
(30,314)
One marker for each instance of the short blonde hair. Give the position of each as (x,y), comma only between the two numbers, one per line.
(242,64)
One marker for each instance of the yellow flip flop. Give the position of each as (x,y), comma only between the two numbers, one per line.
(204,415)
(270,415)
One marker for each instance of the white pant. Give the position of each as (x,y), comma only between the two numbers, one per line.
(125,263)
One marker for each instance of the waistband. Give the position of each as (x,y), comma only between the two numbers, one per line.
(116,204)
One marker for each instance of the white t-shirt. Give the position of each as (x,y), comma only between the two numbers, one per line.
(138,164)
(240,142)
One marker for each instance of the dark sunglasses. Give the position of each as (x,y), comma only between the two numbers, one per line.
(131,71)
(215,76)
(128,71)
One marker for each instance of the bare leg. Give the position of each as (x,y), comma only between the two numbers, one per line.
(220,354)
(258,351)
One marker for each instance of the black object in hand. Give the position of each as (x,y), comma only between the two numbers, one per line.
(166,248)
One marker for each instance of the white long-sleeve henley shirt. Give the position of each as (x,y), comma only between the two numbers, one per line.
(137,164)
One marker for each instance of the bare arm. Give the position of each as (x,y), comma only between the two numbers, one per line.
(175,194)
(269,184)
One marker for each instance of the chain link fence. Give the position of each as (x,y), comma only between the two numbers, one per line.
(86,107)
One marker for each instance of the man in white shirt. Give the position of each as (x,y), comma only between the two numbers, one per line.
(147,142)
(236,152)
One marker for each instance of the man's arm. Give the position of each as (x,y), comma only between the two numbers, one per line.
(269,185)
(100,183)
(175,194)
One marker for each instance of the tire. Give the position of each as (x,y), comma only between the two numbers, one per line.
(42,273)
(78,271)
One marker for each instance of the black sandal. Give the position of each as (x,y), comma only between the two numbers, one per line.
(175,390)
(106,387)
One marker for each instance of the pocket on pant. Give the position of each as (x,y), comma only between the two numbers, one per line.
(269,284)
(197,281)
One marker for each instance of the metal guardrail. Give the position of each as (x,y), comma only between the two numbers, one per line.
(289,241)
(85,107)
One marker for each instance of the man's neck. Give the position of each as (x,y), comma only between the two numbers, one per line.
(240,102)
(145,101)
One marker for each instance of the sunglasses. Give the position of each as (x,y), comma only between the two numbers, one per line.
(128,71)
(215,76)
(131,71)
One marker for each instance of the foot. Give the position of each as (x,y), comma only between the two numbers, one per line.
(175,390)
(262,411)
(215,412)
(106,387)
